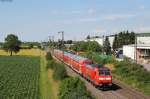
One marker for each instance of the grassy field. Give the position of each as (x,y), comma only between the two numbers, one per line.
(19,77)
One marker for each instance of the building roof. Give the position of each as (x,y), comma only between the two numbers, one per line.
(140,46)
(143,34)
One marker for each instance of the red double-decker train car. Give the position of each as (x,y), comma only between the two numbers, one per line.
(95,73)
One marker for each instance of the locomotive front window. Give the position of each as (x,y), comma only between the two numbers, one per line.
(104,72)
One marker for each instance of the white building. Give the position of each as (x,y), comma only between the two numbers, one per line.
(139,52)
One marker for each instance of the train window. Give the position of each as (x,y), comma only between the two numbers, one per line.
(104,72)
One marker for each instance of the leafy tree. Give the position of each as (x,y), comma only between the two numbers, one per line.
(88,37)
(87,46)
(106,47)
(69,42)
(115,43)
(1,44)
(12,44)
(123,38)
(30,46)
(94,46)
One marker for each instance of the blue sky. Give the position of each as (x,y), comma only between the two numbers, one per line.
(35,20)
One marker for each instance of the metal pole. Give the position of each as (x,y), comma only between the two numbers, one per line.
(136,47)
(103,44)
(62,45)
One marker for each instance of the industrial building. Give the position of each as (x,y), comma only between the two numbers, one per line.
(140,52)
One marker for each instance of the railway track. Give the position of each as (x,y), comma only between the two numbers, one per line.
(118,91)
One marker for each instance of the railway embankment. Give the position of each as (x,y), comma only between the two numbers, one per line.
(69,87)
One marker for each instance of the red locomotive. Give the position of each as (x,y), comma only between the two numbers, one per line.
(96,74)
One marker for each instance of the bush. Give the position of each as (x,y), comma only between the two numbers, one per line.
(87,46)
(134,75)
(73,88)
(48,56)
(51,64)
(59,72)
(100,59)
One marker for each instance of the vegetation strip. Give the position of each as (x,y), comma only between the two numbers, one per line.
(45,84)
(70,88)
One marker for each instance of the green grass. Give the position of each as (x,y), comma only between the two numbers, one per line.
(46,83)
(19,77)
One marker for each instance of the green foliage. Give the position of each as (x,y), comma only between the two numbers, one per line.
(87,46)
(48,56)
(73,88)
(123,38)
(59,72)
(31,46)
(19,77)
(51,64)
(59,69)
(106,47)
(100,59)
(134,75)
(115,46)
(12,44)
(1,45)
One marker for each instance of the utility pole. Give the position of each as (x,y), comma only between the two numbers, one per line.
(62,43)
(103,44)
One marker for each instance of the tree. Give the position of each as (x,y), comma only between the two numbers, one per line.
(12,44)
(31,46)
(69,42)
(115,43)
(123,38)
(88,37)
(87,46)
(107,48)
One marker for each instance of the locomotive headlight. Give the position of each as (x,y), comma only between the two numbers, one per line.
(101,78)
(108,78)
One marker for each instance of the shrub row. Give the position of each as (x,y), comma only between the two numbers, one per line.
(70,88)
(59,70)
(134,75)
(48,56)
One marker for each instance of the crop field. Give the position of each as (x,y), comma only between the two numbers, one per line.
(24,52)
(19,77)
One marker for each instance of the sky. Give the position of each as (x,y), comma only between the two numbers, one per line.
(36,20)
